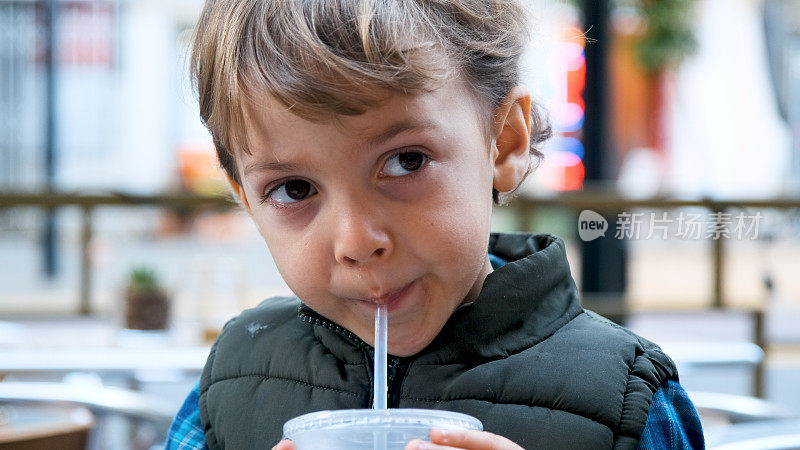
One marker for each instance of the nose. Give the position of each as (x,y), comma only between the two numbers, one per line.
(360,238)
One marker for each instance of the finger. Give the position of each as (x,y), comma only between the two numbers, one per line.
(418,444)
(284,445)
(471,439)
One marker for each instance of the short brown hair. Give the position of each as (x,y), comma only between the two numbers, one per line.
(339,57)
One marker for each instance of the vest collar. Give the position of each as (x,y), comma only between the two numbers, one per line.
(520,305)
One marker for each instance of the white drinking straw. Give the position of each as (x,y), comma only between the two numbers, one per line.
(381,341)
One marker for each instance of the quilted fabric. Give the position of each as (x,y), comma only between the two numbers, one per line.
(524,358)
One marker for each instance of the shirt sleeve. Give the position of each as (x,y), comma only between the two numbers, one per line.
(672,422)
(186,431)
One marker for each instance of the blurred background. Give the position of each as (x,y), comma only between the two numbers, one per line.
(673,176)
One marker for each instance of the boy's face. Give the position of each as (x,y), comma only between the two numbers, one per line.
(391,206)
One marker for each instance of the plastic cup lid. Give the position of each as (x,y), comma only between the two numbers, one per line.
(355,418)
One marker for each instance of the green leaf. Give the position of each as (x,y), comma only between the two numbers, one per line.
(143,278)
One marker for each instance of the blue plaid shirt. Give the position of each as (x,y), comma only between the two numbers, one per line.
(186,431)
(672,422)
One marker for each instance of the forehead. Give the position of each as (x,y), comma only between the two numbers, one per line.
(449,105)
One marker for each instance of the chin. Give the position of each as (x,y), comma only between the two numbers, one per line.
(402,353)
(408,348)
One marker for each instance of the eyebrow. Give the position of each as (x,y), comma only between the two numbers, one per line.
(273,166)
(399,128)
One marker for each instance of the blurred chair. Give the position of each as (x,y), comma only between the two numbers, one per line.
(39,427)
(100,400)
(103,402)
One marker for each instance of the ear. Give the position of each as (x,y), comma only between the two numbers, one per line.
(239,190)
(512,131)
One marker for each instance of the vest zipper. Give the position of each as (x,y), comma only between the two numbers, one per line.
(396,373)
(397,366)
(307,315)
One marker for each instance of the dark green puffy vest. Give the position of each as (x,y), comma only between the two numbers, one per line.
(524,358)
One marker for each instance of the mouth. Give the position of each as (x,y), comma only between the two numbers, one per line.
(391,299)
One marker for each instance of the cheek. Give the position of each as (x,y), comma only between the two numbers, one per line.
(470,197)
(303,276)
(296,264)
(462,216)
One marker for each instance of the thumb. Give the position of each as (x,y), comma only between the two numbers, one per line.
(285,445)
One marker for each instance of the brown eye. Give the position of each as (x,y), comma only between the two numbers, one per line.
(291,191)
(298,189)
(403,164)
(410,161)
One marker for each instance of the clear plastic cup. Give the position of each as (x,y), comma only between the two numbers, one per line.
(356,429)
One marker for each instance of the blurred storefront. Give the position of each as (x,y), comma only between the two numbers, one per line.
(782,32)
(122,103)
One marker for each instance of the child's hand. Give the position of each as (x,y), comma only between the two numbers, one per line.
(473,440)
(284,445)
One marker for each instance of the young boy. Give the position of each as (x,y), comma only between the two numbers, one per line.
(369,140)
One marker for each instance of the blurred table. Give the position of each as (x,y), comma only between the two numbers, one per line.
(767,435)
(103,360)
(58,346)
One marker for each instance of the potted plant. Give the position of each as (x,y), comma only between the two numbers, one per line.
(146,302)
